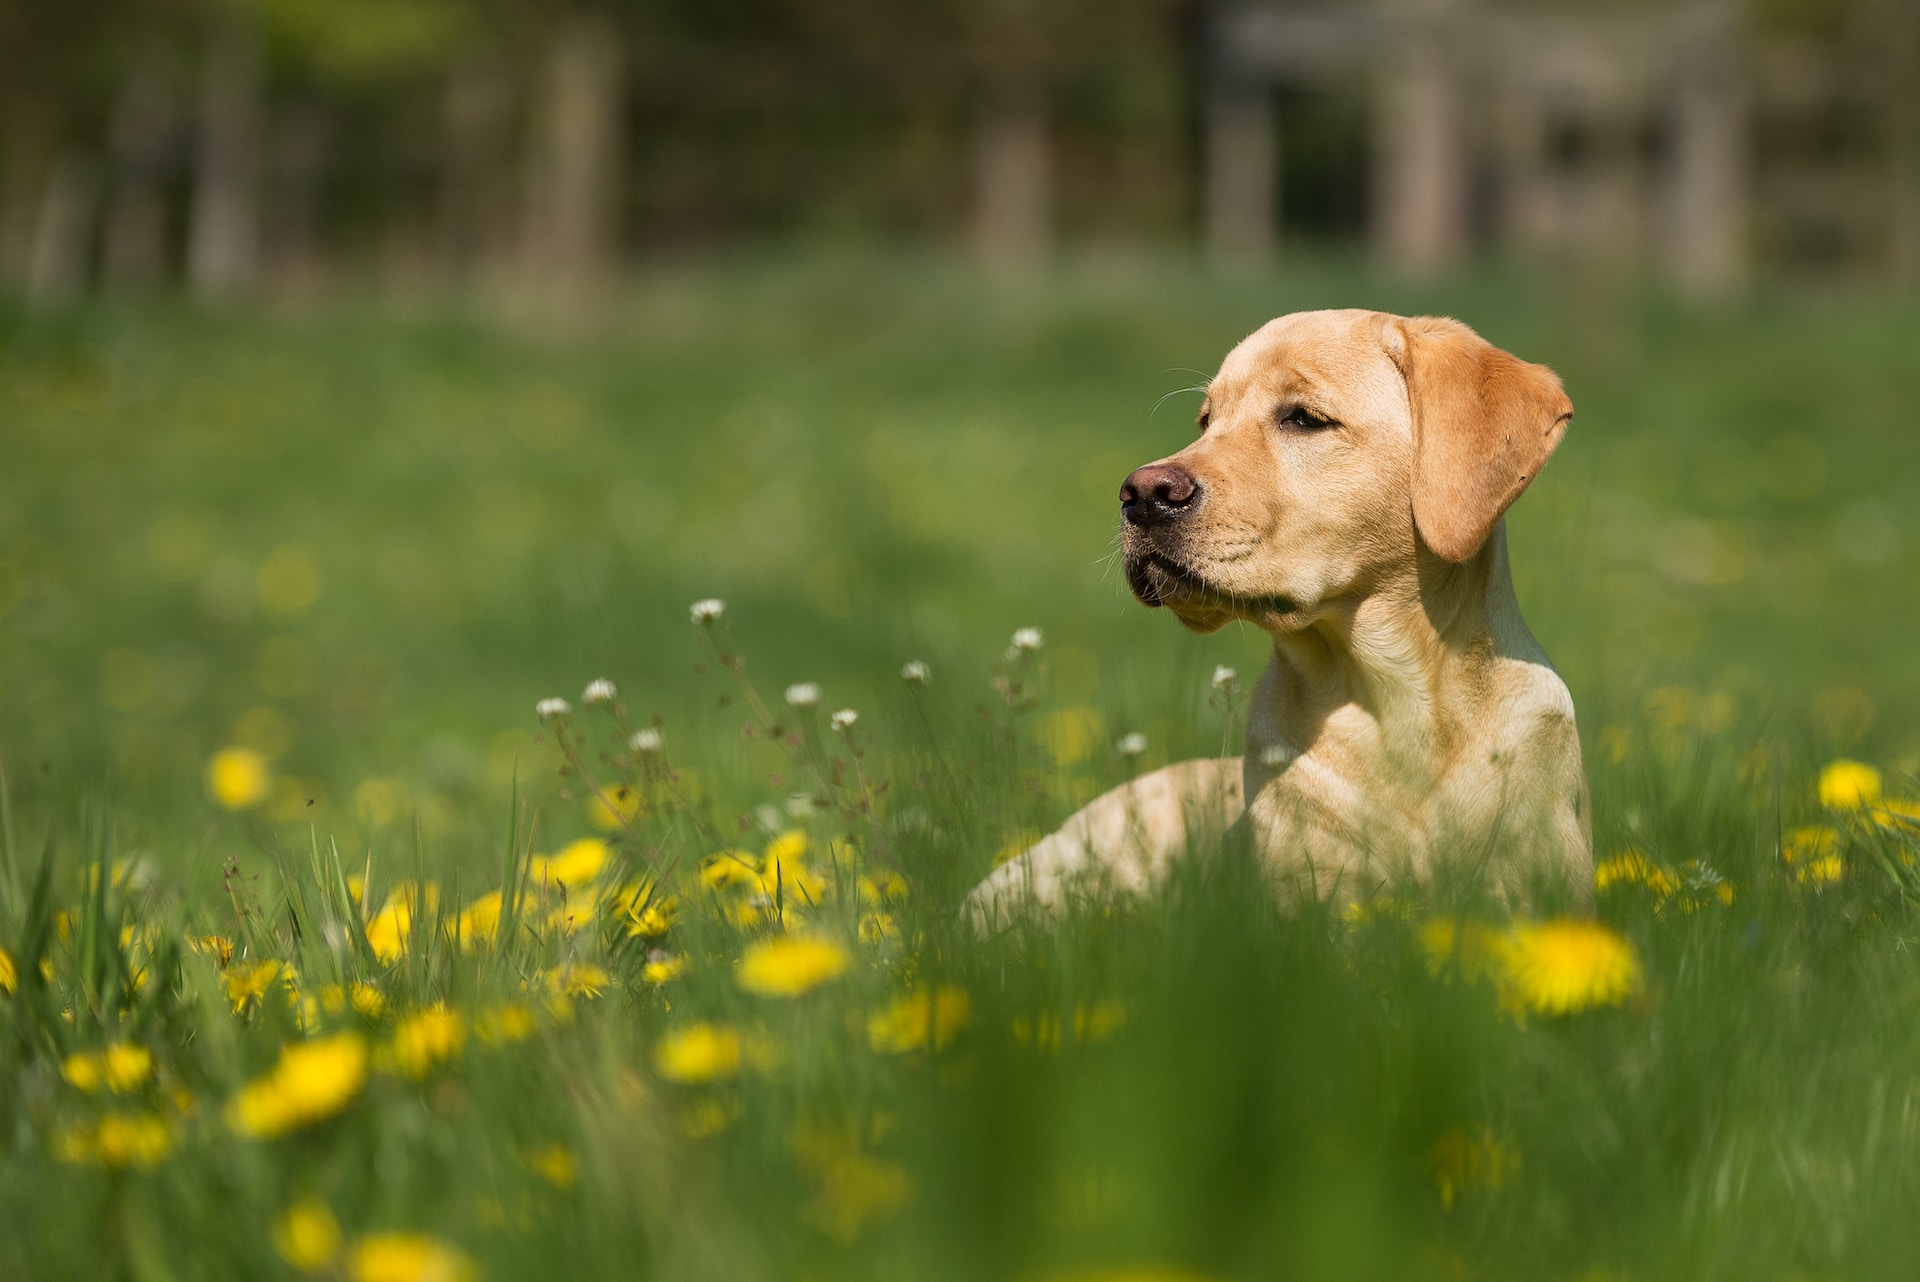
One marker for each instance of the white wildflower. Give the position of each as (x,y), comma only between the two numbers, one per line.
(803,694)
(843,720)
(1131,745)
(1224,677)
(552,709)
(1028,639)
(708,610)
(915,673)
(649,740)
(599,690)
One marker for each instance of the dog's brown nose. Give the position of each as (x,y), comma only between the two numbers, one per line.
(1158,492)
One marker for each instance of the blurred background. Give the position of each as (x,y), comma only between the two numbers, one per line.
(224,147)
(372,368)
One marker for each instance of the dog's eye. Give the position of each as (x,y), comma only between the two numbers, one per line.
(1206,417)
(1300,419)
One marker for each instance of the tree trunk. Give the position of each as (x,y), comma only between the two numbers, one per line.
(28,159)
(574,163)
(472,222)
(1013,188)
(1420,221)
(136,220)
(63,232)
(1709,178)
(1901,92)
(302,141)
(223,244)
(1243,173)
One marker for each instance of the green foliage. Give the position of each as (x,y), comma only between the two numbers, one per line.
(363,39)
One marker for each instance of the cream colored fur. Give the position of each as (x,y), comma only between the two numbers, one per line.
(1407,714)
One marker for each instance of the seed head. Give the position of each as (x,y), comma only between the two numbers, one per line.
(1224,677)
(708,610)
(552,709)
(843,720)
(803,694)
(600,690)
(1028,639)
(915,673)
(649,740)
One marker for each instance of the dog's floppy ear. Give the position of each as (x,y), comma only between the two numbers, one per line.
(1484,422)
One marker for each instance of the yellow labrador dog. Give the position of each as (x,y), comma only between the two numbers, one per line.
(1345,495)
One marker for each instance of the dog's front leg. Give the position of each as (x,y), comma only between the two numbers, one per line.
(1123,838)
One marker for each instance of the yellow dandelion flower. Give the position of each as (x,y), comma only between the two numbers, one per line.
(1898,814)
(1849,785)
(1364,912)
(878,928)
(791,965)
(82,1070)
(1821,870)
(613,810)
(792,880)
(1097,1021)
(578,863)
(306,1235)
(1092,1022)
(789,847)
(121,1140)
(407,1257)
(729,870)
(1568,965)
(705,1118)
(504,1024)
(1814,841)
(881,888)
(248,982)
(218,947)
(389,930)
(312,1081)
(1631,868)
(1465,1161)
(647,916)
(9,974)
(911,1019)
(578,979)
(857,1189)
(570,919)
(238,778)
(664,969)
(479,922)
(126,1066)
(698,1053)
(553,1164)
(364,998)
(423,1039)
(1473,948)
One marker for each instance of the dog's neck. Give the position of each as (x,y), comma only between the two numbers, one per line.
(1398,676)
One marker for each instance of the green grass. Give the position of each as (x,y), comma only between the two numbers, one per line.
(363,540)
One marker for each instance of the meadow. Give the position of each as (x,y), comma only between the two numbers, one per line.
(327,950)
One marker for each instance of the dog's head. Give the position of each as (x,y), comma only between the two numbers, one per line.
(1333,447)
